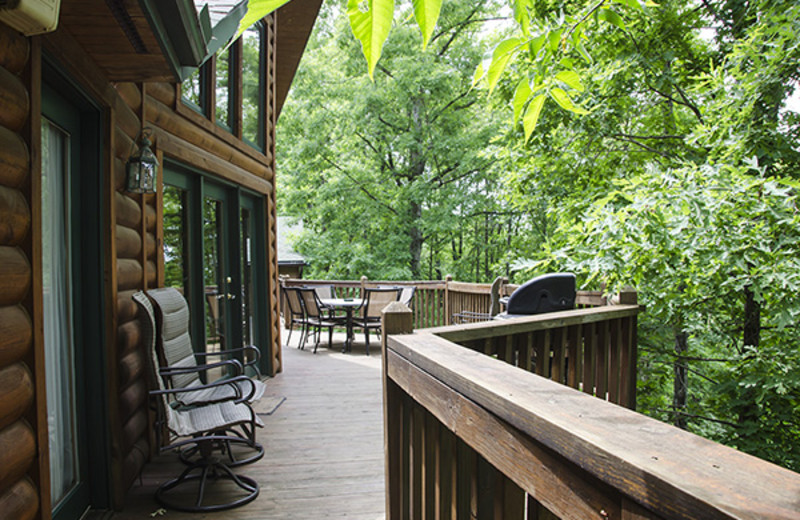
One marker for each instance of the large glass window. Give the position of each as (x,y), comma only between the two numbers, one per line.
(193,90)
(224,89)
(253,85)
(174,234)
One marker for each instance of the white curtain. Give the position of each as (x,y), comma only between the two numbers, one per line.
(56,265)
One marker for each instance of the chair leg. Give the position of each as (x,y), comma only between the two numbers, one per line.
(291,328)
(366,338)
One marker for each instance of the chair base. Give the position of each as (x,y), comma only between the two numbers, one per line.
(253,451)
(209,469)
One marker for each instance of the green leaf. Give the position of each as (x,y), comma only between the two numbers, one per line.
(537,44)
(532,115)
(554,39)
(571,79)
(635,4)
(371,27)
(611,17)
(564,101)
(256,10)
(479,72)
(521,96)
(500,57)
(427,13)
(586,56)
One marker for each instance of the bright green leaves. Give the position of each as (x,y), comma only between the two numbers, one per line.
(500,58)
(426,12)
(256,10)
(552,51)
(532,115)
(571,79)
(521,96)
(564,101)
(370,21)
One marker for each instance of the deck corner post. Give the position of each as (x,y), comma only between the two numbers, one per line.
(363,285)
(447,280)
(396,318)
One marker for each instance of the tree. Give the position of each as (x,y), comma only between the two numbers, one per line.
(682,181)
(394,164)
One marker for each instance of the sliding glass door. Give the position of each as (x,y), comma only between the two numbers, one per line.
(213,245)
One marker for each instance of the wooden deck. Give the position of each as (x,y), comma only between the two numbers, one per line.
(323,441)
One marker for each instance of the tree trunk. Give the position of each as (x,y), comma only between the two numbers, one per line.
(415,234)
(681,380)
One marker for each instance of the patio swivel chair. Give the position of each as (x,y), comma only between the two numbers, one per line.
(369,314)
(178,361)
(317,317)
(179,369)
(201,429)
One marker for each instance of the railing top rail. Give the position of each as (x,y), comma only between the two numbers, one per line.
(493,328)
(668,470)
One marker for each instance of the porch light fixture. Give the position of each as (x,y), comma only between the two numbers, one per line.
(142,166)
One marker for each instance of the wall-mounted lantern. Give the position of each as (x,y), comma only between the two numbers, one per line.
(142,167)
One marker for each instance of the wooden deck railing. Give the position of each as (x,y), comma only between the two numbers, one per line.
(469,435)
(436,301)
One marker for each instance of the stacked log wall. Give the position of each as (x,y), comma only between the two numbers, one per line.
(21,427)
(134,251)
(272,218)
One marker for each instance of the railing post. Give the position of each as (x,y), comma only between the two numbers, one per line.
(396,318)
(363,285)
(447,280)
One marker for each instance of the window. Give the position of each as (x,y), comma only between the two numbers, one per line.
(224,89)
(253,85)
(231,89)
(193,90)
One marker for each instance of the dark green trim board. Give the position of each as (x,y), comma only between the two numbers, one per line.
(180,33)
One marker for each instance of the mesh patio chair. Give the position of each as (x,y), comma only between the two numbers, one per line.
(407,295)
(316,317)
(179,364)
(201,430)
(369,314)
(296,314)
(494,305)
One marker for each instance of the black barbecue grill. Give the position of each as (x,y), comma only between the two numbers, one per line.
(546,293)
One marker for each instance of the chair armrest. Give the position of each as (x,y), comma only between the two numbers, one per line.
(230,351)
(239,397)
(172,370)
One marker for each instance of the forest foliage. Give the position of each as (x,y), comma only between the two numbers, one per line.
(631,143)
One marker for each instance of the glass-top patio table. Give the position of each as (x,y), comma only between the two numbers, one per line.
(348,305)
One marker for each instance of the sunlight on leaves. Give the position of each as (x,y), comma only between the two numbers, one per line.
(371,27)
(426,12)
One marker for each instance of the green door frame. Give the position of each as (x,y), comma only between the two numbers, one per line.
(66,104)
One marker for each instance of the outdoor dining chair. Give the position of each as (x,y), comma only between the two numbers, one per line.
(296,314)
(200,430)
(369,314)
(316,317)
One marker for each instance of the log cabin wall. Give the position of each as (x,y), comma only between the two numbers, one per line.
(133,255)
(22,426)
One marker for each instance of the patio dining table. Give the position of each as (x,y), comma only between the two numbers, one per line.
(348,305)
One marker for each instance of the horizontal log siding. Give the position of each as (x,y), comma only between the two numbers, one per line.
(134,255)
(21,426)
(470,437)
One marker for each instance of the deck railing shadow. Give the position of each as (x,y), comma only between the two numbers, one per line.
(517,419)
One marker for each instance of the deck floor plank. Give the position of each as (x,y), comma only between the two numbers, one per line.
(323,443)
